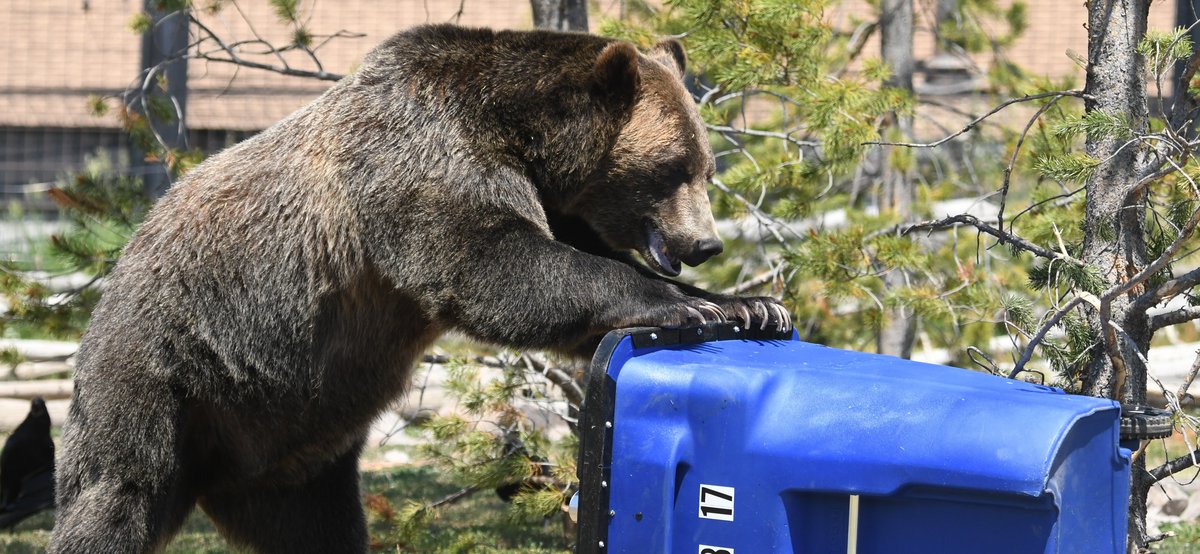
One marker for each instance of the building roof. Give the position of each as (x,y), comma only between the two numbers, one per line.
(53,55)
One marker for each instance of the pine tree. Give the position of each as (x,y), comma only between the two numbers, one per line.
(1095,196)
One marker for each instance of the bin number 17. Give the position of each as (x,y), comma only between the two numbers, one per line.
(716,502)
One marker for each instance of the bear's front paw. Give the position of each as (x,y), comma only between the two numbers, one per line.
(756,311)
(689,312)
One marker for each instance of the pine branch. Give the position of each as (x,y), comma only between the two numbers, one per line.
(1142,303)
(452,498)
(559,377)
(1179,112)
(1171,287)
(858,40)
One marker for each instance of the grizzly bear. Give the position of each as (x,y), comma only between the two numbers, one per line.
(274,301)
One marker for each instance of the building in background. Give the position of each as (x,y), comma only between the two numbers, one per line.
(54,55)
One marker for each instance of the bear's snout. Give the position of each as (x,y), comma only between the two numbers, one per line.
(702,250)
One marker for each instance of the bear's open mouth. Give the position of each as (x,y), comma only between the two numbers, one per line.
(657,253)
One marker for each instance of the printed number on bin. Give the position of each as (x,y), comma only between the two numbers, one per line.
(706,549)
(716,503)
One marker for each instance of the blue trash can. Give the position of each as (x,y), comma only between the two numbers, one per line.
(722,440)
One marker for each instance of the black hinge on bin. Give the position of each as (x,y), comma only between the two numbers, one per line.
(1140,423)
(596,416)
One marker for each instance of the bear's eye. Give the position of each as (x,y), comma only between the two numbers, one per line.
(675,171)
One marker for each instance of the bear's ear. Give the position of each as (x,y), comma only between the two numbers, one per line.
(616,70)
(669,52)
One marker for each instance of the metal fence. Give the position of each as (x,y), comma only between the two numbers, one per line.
(57,54)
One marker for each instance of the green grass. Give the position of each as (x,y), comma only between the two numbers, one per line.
(1185,541)
(478,524)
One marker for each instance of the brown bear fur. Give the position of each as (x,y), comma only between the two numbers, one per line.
(274,301)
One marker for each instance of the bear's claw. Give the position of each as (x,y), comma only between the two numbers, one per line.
(762,312)
(718,315)
(743,315)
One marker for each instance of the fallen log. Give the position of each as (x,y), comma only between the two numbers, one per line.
(41,350)
(38,370)
(49,389)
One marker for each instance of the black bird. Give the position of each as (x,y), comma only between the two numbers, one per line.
(27,468)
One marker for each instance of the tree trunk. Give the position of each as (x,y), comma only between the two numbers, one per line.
(1113,224)
(945,11)
(166,39)
(560,15)
(1186,12)
(1114,234)
(898,328)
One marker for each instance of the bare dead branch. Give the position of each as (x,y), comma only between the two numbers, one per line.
(1012,161)
(234,58)
(1113,350)
(1174,317)
(975,122)
(990,366)
(966,219)
(757,281)
(954,110)
(560,378)
(1173,466)
(1058,199)
(743,94)
(253,31)
(1168,289)
(756,133)
(1038,337)
(763,217)
(1187,381)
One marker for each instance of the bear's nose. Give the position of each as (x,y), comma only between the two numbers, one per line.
(704,249)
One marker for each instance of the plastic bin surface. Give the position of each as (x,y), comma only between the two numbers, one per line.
(752,447)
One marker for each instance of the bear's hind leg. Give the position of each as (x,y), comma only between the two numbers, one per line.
(119,485)
(321,515)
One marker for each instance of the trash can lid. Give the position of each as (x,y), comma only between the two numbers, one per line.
(879,422)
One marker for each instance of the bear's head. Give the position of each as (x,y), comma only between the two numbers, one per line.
(650,193)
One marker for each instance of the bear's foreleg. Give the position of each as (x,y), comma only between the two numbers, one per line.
(527,290)
(757,311)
